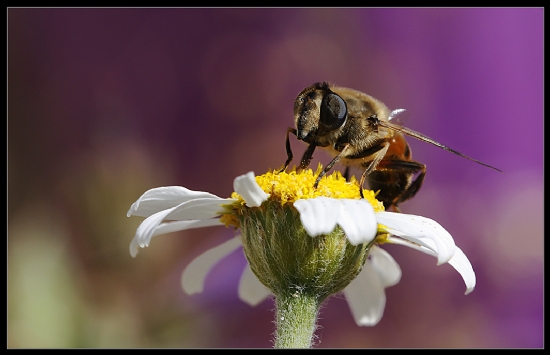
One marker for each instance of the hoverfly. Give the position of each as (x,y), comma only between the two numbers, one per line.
(358,130)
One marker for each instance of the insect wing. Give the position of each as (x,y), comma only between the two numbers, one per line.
(399,116)
(426,139)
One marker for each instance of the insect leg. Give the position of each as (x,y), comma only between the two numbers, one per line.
(288,149)
(308,155)
(346,173)
(411,166)
(383,148)
(330,165)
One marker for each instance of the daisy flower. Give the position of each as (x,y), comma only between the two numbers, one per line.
(302,244)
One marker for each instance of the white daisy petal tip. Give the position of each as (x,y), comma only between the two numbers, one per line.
(251,290)
(194,275)
(368,321)
(366,296)
(461,264)
(134,248)
(129,213)
(321,215)
(358,220)
(133,208)
(318,215)
(246,186)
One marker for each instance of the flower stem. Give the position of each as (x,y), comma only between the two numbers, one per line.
(296,320)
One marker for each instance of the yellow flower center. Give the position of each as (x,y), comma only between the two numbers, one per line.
(288,187)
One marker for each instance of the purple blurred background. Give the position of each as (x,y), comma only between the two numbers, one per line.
(104,104)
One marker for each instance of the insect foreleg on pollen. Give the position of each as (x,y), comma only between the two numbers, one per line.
(306,158)
(288,149)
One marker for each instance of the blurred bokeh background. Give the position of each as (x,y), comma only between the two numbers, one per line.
(104,104)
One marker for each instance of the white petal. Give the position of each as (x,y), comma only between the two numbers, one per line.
(134,247)
(162,198)
(461,263)
(250,191)
(169,227)
(145,231)
(192,278)
(318,215)
(358,220)
(421,230)
(200,208)
(366,297)
(386,267)
(203,208)
(251,290)
(408,243)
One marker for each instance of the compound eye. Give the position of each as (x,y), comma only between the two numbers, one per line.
(333,112)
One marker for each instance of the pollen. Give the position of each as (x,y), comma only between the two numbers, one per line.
(288,187)
(230,220)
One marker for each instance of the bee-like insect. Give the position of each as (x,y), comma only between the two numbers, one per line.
(358,130)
